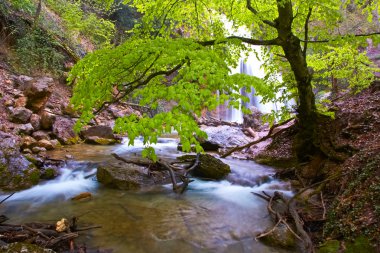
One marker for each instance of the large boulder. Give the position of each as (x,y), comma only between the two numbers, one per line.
(16,172)
(210,167)
(38,92)
(224,136)
(63,130)
(124,176)
(102,135)
(20,115)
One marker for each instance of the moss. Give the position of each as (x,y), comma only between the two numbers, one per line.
(356,211)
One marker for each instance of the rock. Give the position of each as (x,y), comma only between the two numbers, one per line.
(16,172)
(101,135)
(124,176)
(41,135)
(37,150)
(21,101)
(45,144)
(47,120)
(35,120)
(55,143)
(26,151)
(25,129)
(49,173)
(253,120)
(99,131)
(100,141)
(23,247)
(280,237)
(225,136)
(20,115)
(28,142)
(37,92)
(211,168)
(63,130)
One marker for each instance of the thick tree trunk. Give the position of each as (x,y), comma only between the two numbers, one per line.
(306,105)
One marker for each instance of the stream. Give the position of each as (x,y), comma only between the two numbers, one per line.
(211,216)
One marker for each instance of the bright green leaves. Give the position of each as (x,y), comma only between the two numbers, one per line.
(344,63)
(141,69)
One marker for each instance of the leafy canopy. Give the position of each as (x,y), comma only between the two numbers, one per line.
(190,38)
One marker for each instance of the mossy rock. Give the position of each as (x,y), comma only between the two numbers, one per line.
(360,244)
(281,237)
(211,168)
(23,247)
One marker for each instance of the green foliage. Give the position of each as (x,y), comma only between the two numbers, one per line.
(23,5)
(167,41)
(80,23)
(35,52)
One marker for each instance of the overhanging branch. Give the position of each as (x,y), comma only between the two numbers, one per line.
(250,41)
(255,12)
(341,37)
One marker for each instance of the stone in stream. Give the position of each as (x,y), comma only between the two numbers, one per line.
(125,176)
(223,136)
(100,135)
(209,167)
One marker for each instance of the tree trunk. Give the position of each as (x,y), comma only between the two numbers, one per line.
(306,105)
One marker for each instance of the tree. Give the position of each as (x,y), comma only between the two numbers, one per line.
(190,39)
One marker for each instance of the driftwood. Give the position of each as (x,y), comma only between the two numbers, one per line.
(174,172)
(306,244)
(269,135)
(44,234)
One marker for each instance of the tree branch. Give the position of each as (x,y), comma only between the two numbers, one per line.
(307,30)
(269,135)
(341,37)
(254,11)
(272,42)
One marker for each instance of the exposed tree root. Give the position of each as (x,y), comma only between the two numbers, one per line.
(306,244)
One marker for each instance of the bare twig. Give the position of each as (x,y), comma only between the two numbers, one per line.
(10,195)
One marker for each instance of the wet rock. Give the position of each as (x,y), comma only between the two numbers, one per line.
(16,172)
(55,143)
(20,115)
(25,129)
(37,92)
(124,176)
(63,130)
(41,135)
(35,120)
(100,141)
(49,173)
(47,120)
(225,136)
(211,168)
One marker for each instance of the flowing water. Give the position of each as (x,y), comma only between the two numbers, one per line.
(211,216)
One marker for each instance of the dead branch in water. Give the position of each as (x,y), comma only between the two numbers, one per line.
(10,195)
(269,135)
